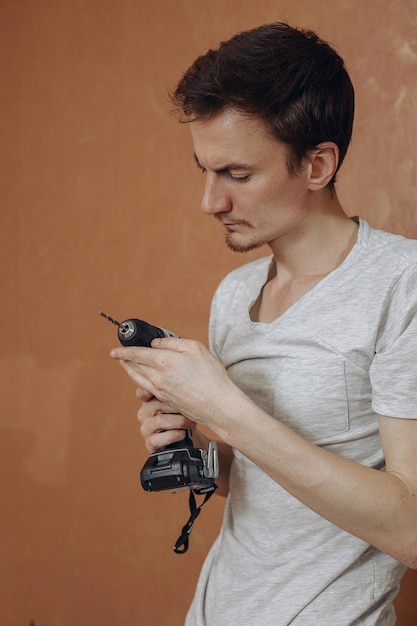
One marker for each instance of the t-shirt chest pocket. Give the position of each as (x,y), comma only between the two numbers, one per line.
(310,396)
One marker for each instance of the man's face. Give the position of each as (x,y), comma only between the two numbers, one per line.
(248,186)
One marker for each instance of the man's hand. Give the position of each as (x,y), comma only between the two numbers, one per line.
(160,424)
(181,373)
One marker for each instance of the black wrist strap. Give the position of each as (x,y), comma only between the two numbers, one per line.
(181,545)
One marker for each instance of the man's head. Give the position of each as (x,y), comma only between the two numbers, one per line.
(289,78)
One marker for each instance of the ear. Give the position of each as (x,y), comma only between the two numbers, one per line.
(323,161)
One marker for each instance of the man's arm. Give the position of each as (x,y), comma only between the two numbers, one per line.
(379,507)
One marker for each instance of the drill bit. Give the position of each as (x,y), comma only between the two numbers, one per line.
(110,319)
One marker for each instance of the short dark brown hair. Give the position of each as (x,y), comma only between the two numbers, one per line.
(290,78)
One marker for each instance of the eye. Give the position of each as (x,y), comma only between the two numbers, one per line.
(236,177)
(199,166)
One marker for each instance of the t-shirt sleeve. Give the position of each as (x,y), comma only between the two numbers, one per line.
(393,372)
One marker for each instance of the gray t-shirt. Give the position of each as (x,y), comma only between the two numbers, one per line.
(344,352)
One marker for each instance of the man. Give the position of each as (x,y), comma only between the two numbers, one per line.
(311,382)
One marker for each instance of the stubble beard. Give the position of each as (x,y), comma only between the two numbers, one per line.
(240,247)
(234,245)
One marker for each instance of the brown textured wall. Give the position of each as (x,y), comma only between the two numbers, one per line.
(100,211)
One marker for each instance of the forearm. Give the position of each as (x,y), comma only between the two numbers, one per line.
(375,506)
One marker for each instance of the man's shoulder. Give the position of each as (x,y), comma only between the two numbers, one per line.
(393,244)
(385,254)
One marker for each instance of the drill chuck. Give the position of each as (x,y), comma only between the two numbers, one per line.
(134,332)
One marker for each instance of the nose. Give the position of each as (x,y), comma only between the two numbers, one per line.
(215,199)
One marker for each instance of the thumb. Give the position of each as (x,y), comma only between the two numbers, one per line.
(168,343)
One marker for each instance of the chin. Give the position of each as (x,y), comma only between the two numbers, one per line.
(237,246)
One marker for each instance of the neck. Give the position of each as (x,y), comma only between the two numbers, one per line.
(322,241)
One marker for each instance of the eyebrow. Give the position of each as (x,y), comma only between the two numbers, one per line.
(225,168)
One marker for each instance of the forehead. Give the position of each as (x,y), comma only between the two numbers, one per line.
(233,135)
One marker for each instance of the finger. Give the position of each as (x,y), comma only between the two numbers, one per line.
(143,395)
(157,406)
(140,354)
(140,364)
(161,429)
(136,354)
(156,441)
(133,372)
(156,421)
(177,344)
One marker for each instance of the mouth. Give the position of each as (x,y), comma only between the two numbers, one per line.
(231,225)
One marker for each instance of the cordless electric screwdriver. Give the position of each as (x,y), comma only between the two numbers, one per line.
(178,465)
